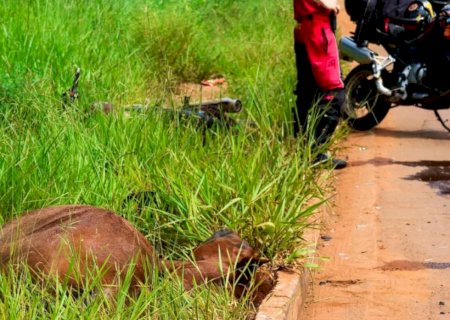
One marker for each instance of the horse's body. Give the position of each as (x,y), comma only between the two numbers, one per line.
(69,241)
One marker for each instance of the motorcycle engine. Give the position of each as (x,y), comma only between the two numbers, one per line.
(415,73)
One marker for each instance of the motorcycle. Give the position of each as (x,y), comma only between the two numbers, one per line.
(409,73)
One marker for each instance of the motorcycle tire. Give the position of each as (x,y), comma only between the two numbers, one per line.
(364,107)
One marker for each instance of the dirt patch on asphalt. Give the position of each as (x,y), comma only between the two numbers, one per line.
(406,265)
(339,283)
(435,173)
(402,265)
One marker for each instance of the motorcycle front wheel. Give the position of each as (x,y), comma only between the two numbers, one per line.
(364,107)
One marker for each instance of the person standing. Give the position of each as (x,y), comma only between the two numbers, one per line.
(319,80)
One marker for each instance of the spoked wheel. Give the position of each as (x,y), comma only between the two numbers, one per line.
(364,107)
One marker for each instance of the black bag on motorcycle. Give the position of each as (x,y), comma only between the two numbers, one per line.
(357,9)
(395,8)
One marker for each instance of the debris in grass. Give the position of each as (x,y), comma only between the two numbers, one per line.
(102,106)
(213,82)
(69,96)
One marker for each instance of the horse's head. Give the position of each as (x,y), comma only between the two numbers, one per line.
(227,247)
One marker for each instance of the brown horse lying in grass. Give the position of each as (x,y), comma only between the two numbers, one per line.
(68,241)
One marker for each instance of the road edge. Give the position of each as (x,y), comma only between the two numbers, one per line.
(286,300)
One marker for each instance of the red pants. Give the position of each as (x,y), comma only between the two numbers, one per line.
(321,48)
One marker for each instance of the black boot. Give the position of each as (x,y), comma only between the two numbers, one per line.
(324,158)
(329,119)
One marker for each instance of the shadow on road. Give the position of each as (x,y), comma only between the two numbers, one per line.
(418,134)
(435,173)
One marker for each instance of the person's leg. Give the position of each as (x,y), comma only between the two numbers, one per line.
(305,89)
(322,51)
(330,112)
(330,109)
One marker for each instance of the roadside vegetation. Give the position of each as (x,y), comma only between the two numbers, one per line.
(256,180)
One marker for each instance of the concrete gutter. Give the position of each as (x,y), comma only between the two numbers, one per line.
(287,299)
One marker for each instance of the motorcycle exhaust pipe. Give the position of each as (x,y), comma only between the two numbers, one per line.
(381,88)
(350,51)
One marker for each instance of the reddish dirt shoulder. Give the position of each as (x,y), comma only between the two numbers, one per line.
(390,225)
(389,252)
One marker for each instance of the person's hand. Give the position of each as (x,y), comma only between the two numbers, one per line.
(331,5)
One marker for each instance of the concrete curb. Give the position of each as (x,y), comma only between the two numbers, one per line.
(286,300)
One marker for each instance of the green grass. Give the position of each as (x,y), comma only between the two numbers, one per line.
(258,182)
